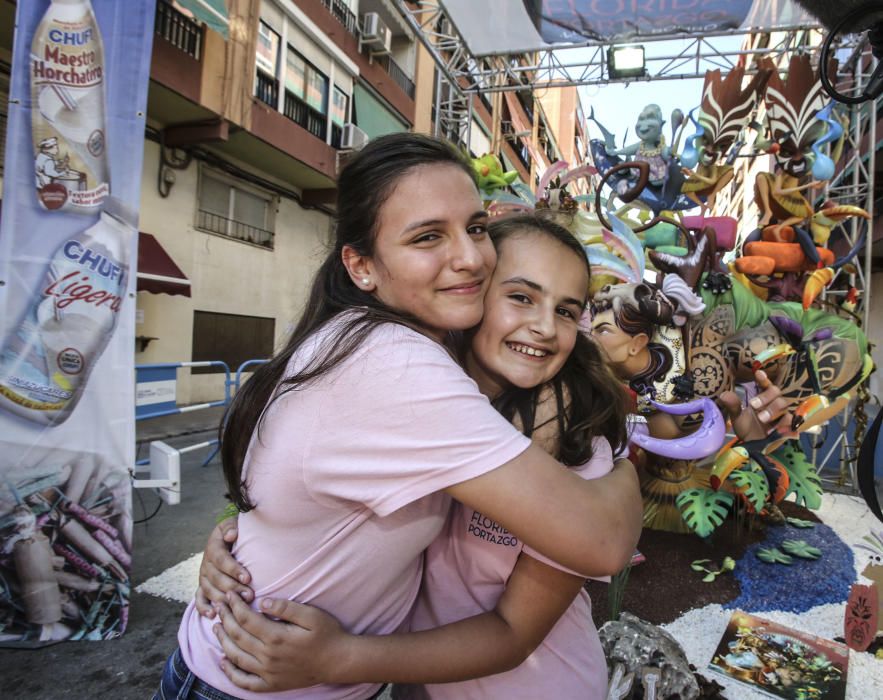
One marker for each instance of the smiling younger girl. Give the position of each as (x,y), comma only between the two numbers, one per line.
(488,603)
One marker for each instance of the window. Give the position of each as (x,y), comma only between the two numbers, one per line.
(230,338)
(229,209)
(339,106)
(267,55)
(305,81)
(295,73)
(306,94)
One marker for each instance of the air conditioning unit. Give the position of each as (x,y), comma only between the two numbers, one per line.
(352,138)
(375,34)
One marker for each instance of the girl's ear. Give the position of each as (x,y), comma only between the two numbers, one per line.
(359,268)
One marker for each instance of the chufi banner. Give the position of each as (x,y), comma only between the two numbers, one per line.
(68,241)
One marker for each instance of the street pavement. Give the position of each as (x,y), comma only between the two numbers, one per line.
(129,668)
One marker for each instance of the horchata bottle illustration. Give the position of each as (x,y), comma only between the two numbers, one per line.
(47,359)
(68,109)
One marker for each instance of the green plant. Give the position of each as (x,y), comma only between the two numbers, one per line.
(753,485)
(711,573)
(797,522)
(804,481)
(772,555)
(802,549)
(704,509)
(615,593)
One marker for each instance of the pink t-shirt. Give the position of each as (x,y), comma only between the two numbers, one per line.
(346,475)
(467,568)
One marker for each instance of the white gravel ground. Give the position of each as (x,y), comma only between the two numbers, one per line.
(177,583)
(699,630)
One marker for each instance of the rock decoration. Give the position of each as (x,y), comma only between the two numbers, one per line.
(637,648)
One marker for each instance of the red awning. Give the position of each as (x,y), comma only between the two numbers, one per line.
(157,272)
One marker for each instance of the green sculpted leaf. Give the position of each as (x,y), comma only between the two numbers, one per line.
(754,485)
(703,509)
(773,556)
(699,564)
(797,522)
(805,483)
(708,578)
(802,549)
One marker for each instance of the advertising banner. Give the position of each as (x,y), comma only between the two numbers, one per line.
(578,20)
(68,243)
(505,27)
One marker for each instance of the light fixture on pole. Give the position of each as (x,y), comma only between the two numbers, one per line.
(625,62)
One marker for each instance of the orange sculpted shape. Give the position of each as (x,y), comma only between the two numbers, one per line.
(779,234)
(755,265)
(788,257)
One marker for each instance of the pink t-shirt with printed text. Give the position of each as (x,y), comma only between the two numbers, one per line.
(346,476)
(467,568)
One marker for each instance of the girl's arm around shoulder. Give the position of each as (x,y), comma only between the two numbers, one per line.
(588,526)
(536,596)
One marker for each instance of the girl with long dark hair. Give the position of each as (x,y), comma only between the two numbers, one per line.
(344,451)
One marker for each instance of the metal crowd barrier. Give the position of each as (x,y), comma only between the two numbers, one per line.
(157,397)
(164,373)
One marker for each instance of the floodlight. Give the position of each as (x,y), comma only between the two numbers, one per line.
(625,61)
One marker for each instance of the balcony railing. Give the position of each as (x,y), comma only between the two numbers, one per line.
(399,76)
(301,113)
(240,230)
(343,14)
(266,89)
(178,29)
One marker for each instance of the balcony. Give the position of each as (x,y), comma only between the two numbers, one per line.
(344,15)
(399,76)
(266,89)
(178,29)
(215,223)
(303,115)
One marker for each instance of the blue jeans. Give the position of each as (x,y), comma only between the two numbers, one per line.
(179,683)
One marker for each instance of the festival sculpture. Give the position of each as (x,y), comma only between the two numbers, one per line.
(707,160)
(662,192)
(688,332)
(786,253)
(703,328)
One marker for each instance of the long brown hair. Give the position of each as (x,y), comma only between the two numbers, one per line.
(591,401)
(364,185)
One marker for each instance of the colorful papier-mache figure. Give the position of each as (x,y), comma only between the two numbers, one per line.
(491,176)
(678,341)
(725,111)
(787,251)
(665,179)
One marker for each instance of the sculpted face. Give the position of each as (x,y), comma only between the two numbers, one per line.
(649,125)
(615,342)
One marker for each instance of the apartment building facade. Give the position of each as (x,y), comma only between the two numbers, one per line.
(252,108)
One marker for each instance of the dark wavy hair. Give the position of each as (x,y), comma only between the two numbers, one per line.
(363,186)
(644,316)
(591,401)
